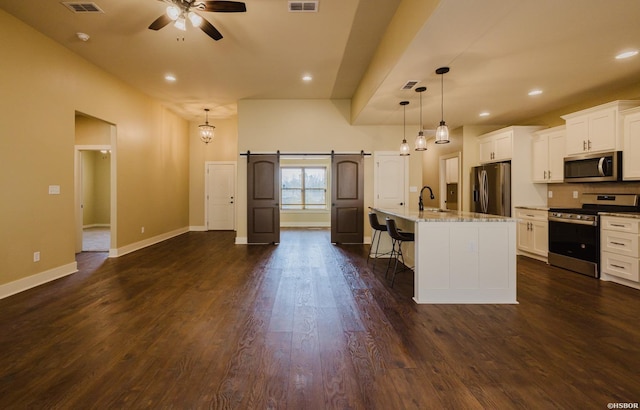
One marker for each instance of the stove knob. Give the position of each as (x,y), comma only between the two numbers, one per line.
(579,216)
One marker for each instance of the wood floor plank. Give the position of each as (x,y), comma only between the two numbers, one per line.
(199,322)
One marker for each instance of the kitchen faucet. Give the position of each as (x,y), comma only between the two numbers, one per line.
(420,204)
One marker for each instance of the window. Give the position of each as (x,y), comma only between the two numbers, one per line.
(304,187)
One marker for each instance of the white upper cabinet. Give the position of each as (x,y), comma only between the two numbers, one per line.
(631,155)
(495,147)
(548,150)
(596,129)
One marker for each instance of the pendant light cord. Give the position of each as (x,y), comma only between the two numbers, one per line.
(421,111)
(441,97)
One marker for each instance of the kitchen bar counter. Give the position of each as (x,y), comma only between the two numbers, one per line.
(460,257)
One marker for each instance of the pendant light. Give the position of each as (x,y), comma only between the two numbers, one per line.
(421,141)
(206,130)
(404,147)
(442,132)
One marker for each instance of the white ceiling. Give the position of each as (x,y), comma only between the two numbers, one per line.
(497,50)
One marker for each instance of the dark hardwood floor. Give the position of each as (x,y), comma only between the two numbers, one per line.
(198,322)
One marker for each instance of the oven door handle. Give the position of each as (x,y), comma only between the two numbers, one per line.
(572,221)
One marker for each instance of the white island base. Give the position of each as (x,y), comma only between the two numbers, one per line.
(462,257)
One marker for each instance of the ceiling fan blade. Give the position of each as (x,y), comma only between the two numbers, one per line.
(221,6)
(210,30)
(160,22)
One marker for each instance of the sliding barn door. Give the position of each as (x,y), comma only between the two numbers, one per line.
(263,193)
(347,204)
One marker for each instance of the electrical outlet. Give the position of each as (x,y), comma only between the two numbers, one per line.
(142,229)
(550,194)
(36,256)
(575,194)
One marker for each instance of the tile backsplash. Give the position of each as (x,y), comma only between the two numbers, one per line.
(563,193)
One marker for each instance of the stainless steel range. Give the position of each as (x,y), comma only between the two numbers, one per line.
(574,233)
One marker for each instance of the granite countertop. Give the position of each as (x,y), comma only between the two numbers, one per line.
(534,208)
(438,215)
(634,215)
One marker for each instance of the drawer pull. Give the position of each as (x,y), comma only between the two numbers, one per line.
(618,243)
(617,266)
(618,225)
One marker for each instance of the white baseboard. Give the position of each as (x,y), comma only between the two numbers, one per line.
(38,279)
(241,240)
(114,253)
(199,228)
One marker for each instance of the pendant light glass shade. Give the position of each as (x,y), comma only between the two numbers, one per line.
(442,132)
(404,147)
(206,130)
(421,141)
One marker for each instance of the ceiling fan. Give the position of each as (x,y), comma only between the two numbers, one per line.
(179,11)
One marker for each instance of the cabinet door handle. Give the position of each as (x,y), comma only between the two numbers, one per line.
(589,145)
(584,145)
(545,175)
(617,266)
(549,174)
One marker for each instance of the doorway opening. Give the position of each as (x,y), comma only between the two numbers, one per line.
(450,181)
(94,174)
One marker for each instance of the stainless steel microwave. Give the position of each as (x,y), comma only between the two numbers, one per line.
(601,167)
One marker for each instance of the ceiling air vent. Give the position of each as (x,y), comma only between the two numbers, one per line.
(303,6)
(409,85)
(78,7)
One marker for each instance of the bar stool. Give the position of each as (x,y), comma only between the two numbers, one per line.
(397,238)
(377,228)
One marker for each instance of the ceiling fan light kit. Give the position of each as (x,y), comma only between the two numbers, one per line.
(180,10)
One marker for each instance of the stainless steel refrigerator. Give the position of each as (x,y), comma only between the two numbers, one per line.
(491,189)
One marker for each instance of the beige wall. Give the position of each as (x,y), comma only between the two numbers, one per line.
(43,86)
(312,126)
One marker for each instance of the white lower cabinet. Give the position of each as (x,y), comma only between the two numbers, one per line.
(620,250)
(533,233)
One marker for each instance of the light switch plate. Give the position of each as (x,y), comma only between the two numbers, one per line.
(575,194)
(550,194)
(54,189)
(413,189)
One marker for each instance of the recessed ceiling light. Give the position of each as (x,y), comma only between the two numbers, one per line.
(170,77)
(484,114)
(535,92)
(626,54)
(307,77)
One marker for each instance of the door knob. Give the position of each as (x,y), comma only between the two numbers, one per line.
(401,203)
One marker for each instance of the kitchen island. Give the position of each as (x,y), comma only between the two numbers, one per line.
(460,257)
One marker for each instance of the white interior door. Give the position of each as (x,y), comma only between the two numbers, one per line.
(391,180)
(220,196)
